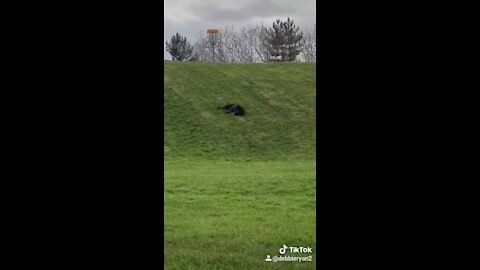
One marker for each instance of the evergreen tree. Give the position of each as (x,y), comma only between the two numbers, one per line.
(179,48)
(283,42)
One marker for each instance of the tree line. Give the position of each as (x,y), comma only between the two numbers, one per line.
(282,42)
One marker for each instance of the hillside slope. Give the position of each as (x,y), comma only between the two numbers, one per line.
(279,99)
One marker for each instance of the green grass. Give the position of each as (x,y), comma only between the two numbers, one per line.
(238,188)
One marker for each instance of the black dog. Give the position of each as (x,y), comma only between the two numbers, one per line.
(236,109)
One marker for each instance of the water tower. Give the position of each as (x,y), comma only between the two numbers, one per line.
(212,38)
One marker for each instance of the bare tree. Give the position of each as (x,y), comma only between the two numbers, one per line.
(247,44)
(261,34)
(201,49)
(309,52)
(228,36)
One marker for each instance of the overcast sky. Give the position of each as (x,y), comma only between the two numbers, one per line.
(192,17)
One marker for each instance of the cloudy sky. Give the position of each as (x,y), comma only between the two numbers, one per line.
(192,17)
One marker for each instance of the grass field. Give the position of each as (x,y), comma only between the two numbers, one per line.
(238,188)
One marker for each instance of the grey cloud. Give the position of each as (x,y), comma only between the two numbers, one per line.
(242,13)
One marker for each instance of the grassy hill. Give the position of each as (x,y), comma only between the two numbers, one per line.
(238,188)
(279,100)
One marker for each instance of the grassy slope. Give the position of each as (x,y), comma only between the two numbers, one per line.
(229,212)
(279,100)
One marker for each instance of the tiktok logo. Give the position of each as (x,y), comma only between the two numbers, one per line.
(283,249)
